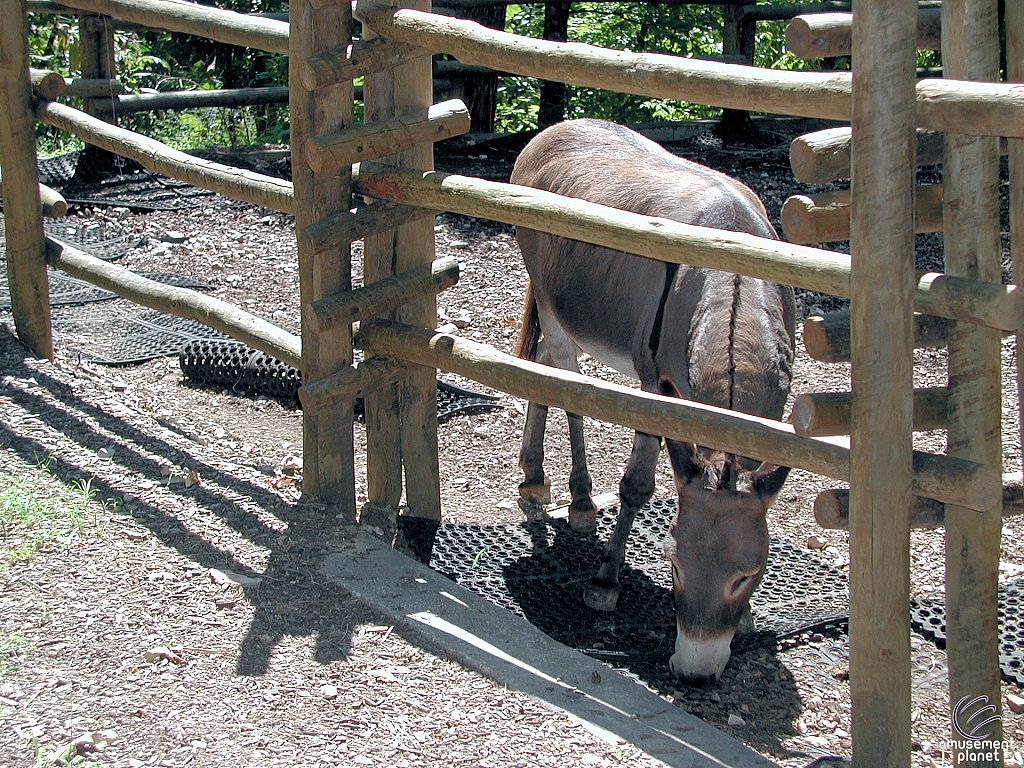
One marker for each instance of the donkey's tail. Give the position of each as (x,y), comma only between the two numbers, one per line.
(529,326)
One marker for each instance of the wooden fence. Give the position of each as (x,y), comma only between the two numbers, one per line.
(397,307)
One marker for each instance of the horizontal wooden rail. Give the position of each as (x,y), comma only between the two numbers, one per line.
(195,19)
(358,223)
(827,338)
(351,383)
(977,109)
(823,414)
(92,88)
(226,97)
(371,141)
(363,57)
(938,477)
(383,296)
(832,507)
(989,304)
(158,157)
(52,202)
(183,302)
(47,84)
(825,217)
(831,34)
(824,156)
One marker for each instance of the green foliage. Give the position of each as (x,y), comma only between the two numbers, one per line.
(36,510)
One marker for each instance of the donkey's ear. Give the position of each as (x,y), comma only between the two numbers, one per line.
(768,480)
(684,459)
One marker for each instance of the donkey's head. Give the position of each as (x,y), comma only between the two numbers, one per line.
(718,546)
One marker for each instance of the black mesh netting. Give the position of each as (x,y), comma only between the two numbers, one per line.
(89,237)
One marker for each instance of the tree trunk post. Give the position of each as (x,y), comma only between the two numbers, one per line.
(401,419)
(552,94)
(882,274)
(26,262)
(328,455)
(970,48)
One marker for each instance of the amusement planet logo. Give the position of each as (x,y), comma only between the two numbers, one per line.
(972,717)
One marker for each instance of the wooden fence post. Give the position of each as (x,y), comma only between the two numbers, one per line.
(738,34)
(26,264)
(328,457)
(401,419)
(553,94)
(1015,73)
(882,247)
(970,51)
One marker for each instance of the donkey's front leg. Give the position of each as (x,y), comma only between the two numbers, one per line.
(582,511)
(635,490)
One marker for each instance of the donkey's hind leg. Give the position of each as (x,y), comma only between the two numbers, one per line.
(635,490)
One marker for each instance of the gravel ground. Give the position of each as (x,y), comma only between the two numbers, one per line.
(287,670)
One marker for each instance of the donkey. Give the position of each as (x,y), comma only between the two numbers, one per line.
(714,337)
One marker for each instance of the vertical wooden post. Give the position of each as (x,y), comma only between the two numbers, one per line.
(328,459)
(552,94)
(882,247)
(737,40)
(970,51)
(26,266)
(1014,21)
(96,53)
(388,94)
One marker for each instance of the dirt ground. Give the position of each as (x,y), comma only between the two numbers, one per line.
(191,620)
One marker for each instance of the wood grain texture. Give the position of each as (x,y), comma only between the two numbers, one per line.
(328,451)
(970,45)
(830,34)
(827,338)
(881,458)
(26,266)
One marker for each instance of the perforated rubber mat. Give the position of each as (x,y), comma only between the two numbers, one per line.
(70,291)
(538,570)
(929,617)
(131,337)
(85,237)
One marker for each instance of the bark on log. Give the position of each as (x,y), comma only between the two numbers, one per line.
(183,302)
(359,223)
(992,304)
(48,84)
(828,338)
(26,267)
(357,60)
(383,296)
(830,34)
(154,156)
(825,217)
(53,205)
(195,19)
(832,507)
(824,414)
(977,109)
(351,383)
(228,97)
(93,88)
(371,141)
(751,436)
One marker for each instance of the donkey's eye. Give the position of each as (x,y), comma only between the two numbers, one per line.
(739,584)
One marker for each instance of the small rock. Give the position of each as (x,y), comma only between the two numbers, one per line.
(292,465)
(329,692)
(504,505)
(736,721)
(159,653)
(459,244)
(462,320)
(816,542)
(105,453)
(218,576)
(119,385)
(447,328)
(173,236)
(1015,703)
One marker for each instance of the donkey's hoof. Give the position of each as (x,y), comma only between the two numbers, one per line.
(583,517)
(536,493)
(532,509)
(600,597)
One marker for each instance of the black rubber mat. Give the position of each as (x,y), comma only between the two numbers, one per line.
(70,291)
(88,237)
(538,570)
(133,337)
(929,617)
(233,364)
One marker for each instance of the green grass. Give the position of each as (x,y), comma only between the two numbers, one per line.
(37,511)
(13,650)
